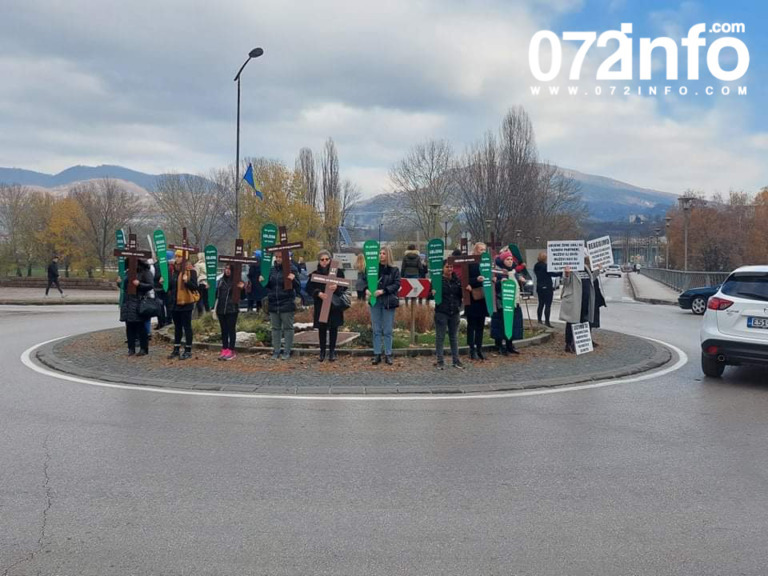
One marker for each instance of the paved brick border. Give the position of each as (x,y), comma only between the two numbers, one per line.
(660,357)
(537,340)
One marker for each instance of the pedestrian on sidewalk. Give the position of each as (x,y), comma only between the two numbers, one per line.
(182,297)
(227,310)
(447,317)
(129,310)
(545,290)
(53,276)
(282,306)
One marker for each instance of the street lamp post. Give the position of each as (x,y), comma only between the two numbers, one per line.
(656,255)
(255,53)
(434,209)
(686,203)
(667,220)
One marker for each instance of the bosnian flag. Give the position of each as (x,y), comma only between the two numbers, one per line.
(249,178)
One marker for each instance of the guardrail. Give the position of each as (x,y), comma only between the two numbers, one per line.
(681,280)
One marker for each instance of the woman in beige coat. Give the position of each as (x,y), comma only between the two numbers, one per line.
(577,303)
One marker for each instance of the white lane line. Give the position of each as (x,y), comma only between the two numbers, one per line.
(26,359)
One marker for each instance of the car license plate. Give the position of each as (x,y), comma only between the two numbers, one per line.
(754,322)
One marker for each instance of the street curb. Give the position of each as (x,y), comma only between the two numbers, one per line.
(660,357)
(54,302)
(358,352)
(653,301)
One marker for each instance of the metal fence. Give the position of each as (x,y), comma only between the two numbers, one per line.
(682,281)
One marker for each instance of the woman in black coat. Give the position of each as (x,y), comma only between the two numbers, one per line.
(227,310)
(447,316)
(329,331)
(545,290)
(129,309)
(476,312)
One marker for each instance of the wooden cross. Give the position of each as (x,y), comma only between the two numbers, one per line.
(237,262)
(493,246)
(330,280)
(185,250)
(132,253)
(464,261)
(283,247)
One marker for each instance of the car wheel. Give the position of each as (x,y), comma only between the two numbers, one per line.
(711,367)
(699,306)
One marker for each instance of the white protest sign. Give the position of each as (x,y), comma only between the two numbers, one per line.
(600,252)
(562,253)
(582,338)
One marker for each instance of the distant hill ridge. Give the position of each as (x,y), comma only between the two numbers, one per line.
(606,198)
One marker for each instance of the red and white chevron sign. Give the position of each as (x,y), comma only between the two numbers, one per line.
(414,288)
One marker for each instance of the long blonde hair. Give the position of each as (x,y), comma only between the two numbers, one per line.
(360,262)
(390,257)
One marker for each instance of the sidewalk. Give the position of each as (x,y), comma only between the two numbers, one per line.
(33,296)
(650,291)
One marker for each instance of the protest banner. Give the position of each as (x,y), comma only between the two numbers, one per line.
(582,338)
(562,253)
(600,252)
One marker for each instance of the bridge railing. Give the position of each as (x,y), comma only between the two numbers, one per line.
(681,280)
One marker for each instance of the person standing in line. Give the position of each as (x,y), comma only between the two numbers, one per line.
(202,285)
(447,317)
(577,301)
(600,302)
(506,262)
(129,309)
(362,279)
(282,306)
(227,310)
(161,296)
(255,290)
(387,301)
(53,276)
(476,312)
(545,291)
(182,297)
(327,331)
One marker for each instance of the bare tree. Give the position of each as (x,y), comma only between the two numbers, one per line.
(305,166)
(424,185)
(192,202)
(504,188)
(107,207)
(329,169)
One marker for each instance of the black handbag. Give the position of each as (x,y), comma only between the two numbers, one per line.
(341,300)
(149,307)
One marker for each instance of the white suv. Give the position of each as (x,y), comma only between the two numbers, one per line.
(734,329)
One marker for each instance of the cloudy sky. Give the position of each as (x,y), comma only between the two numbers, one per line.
(148,85)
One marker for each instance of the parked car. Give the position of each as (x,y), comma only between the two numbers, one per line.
(734,330)
(613,270)
(695,299)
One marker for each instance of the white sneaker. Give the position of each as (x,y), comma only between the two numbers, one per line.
(63,296)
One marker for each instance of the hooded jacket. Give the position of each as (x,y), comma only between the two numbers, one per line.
(411,267)
(225,303)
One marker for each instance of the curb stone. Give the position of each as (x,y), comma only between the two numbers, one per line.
(660,357)
(653,301)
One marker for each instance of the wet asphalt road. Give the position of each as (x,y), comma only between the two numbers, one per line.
(664,476)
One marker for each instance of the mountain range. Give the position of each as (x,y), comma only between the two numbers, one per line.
(607,199)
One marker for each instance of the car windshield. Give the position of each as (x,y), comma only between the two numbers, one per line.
(747,285)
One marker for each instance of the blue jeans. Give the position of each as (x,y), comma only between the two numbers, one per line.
(382,321)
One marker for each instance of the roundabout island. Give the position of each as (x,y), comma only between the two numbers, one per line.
(542,363)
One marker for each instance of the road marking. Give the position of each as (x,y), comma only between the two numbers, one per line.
(26,359)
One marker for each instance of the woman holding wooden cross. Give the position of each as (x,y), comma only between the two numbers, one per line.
(328,331)
(182,297)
